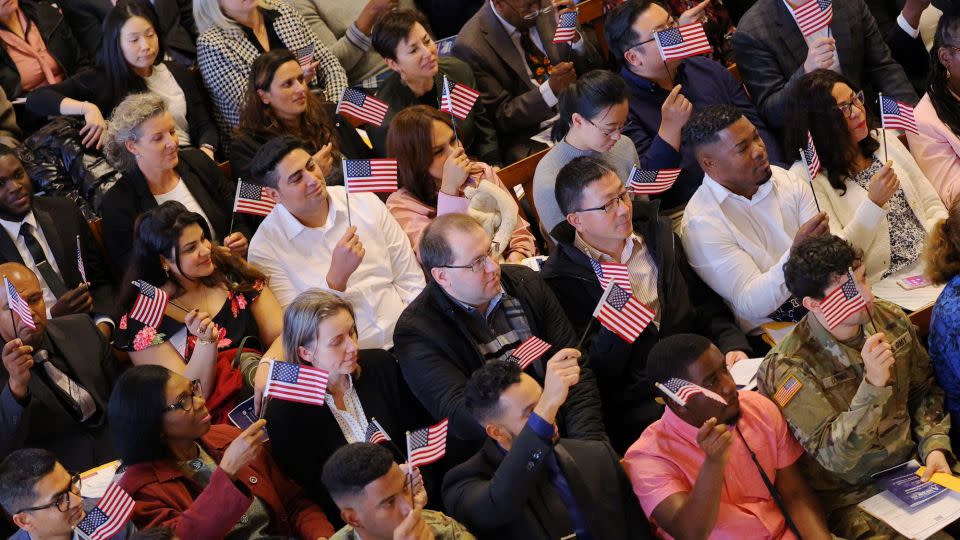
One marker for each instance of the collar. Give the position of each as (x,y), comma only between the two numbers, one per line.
(646,85)
(291,226)
(721,193)
(13,227)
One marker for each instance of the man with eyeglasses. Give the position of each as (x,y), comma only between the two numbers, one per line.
(603,225)
(475,310)
(663,95)
(520,70)
(43,499)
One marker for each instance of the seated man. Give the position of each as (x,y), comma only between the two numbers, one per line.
(860,397)
(772,53)
(520,71)
(899,23)
(43,498)
(307,242)
(473,311)
(526,482)
(690,464)
(658,108)
(56,380)
(42,233)
(377,501)
(740,224)
(604,225)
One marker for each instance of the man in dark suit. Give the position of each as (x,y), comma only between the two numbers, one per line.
(56,380)
(899,24)
(526,482)
(520,71)
(42,232)
(772,54)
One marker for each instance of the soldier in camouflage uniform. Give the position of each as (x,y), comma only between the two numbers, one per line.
(860,397)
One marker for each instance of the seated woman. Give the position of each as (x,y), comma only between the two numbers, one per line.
(433,171)
(228,299)
(278,102)
(233,34)
(201,480)
(142,143)
(884,209)
(363,385)
(942,258)
(130,62)
(403,38)
(593,112)
(937,146)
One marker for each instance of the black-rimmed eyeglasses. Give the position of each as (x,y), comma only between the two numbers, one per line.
(610,205)
(186,402)
(477,265)
(61,500)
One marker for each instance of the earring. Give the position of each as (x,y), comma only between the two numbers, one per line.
(166,270)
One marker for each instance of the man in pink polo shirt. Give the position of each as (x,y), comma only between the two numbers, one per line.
(692,470)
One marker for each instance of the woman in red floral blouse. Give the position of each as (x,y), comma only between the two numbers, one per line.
(227,300)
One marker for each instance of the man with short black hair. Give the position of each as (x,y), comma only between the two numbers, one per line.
(375,499)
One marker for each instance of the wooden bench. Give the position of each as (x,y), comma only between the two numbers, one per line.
(521,174)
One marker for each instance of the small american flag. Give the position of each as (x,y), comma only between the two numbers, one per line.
(842,302)
(566,28)
(617,272)
(83,271)
(651,182)
(683,41)
(356,104)
(622,313)
(18,304)
(681,390)
(150,304)
(897,115)
(305,55)
(529,351)
(112,512)
(457,99)
(296,382)
(813,16)
(810,158)
(375,432)
(427,445)
(370,175)
(252,199)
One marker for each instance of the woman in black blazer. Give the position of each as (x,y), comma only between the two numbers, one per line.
(363,385)
(141,142)
(130,62)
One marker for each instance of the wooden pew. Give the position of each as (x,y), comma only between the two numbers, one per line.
(921,319)
(521,174)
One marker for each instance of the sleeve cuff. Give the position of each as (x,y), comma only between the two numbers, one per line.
(579,46)
(548,97)
(358,38)
(541,427)
(448,204)
(905,26)
(939,441)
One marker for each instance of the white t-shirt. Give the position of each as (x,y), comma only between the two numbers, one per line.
(182,195)
(162,83)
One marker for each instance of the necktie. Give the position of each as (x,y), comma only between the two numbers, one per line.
(74,395)
(536,60)
(50,276)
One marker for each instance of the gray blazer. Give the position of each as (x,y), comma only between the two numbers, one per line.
(770,52)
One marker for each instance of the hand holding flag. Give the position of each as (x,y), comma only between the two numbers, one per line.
(19,305)
(112,512)
(296,382)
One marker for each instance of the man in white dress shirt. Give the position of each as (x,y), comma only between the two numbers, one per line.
(741,223)
(306,242)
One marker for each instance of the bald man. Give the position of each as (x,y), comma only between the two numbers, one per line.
(55,379)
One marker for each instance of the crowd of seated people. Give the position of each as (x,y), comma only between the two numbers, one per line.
(558,338)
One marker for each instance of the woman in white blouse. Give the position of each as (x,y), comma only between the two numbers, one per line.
(872,189)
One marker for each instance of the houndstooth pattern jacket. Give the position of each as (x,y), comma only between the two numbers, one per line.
(225,56)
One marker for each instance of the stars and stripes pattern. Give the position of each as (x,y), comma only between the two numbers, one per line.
(296,382)
(529,351)
(427,445)
(80,267)
(681,390)
(621,313)
(149,305)
(18,304)
(112,512)
(356,104)
(842,302)
(305,55)
(682,42)
(375,432)
(810,158)
(897,115)
(252,199)
(813,16)
(651,182)
(566,28)
(457,99)
(607,271)
(785,393)
(370,175)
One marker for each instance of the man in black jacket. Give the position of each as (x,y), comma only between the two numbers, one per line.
(526,482)
(473,311)
(604,226)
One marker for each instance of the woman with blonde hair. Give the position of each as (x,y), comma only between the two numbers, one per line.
(942,258)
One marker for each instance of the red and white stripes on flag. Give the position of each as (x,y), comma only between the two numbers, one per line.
(252,199)
(897,115)
(682,42)
(457,99)
(356,104)
(529,351)
(305,55)
(149,305)
(80,267)
(842,302)
(651,182)
(621,313)
(427,445)
(607,271)
(18,304)
(681,390)
(370,175)
(810,158)
(813,16)
(112,512)
(296,382)
(566,27)
(375,433)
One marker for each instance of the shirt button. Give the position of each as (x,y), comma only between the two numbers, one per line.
(531,465)
(243,519)
(253,479)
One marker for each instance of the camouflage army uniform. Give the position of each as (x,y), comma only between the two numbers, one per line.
(849,428)
(443,527)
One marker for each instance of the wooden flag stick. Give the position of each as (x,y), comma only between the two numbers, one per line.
(583,337)
(806,166)
(346,184)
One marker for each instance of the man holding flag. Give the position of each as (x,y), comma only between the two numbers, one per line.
(855,384)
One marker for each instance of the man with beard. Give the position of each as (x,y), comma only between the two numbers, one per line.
(741,223)
(723,463)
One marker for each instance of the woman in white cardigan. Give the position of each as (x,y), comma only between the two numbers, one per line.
(874,192)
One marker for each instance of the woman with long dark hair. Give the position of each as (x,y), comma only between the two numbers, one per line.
(227,298)
(279,102)
(130,62)
(886,208)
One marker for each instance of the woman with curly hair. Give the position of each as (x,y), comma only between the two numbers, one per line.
(942,258)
